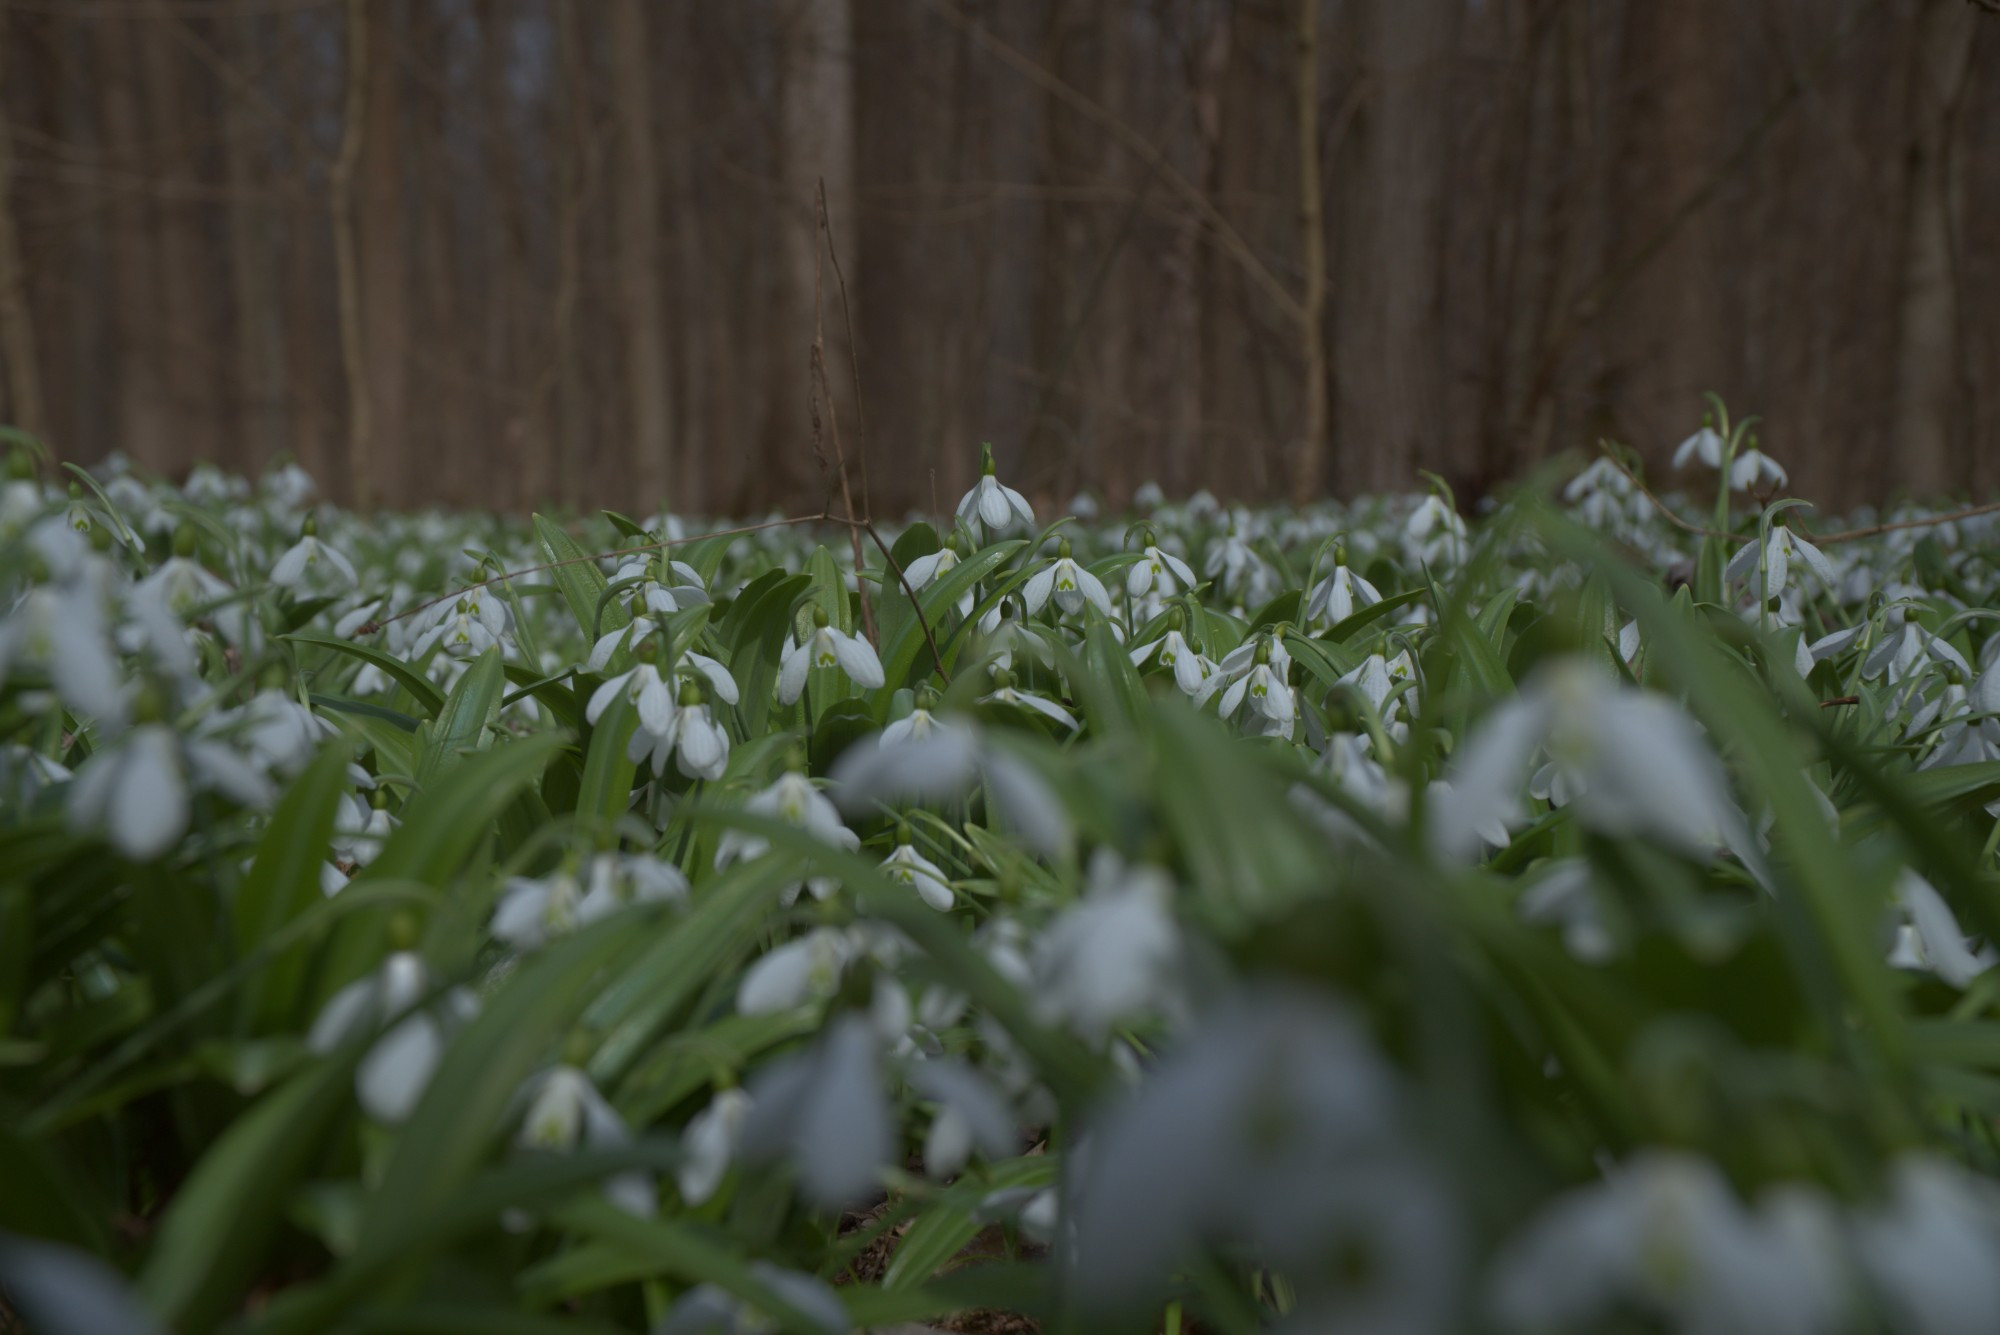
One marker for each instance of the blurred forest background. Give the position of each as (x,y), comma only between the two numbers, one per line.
(506,252)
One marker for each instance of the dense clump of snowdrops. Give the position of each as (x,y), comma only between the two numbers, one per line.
(1350,918)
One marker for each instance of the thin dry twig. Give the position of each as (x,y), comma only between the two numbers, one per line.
(822,391)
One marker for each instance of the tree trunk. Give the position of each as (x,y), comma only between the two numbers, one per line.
(384,273)
(1927,361)
(257,334)
(637,202)
(1309,477)
(23,407)
(142,428)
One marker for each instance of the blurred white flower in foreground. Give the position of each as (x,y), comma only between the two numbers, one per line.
(825,1111)
(137,789)
(1667,1235)
(398,1067)
(709,1144)
(1629,761)
(565,1111)
(1929,938)
(709,1309)
(1276,1129)
(942,762)
(1115,955)
(1929,1249)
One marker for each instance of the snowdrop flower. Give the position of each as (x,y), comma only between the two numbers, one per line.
(1276,1128)
(466,626)
(1232,564)
(398,1067)
(1158,572)
(654,593)
(1769,566)
(1705,446)
(915,726)
(1928,1250)
(710,1309)
(312,564)
(927,570)
(1115,955)
(1665,1233)
(1340,595)
(825,1110)
(1265,687)
(565,1111)
(1754,470)
(801,970)
(1068,583)
(137,790)
(62,634)
(828,647)
(1380,681)
(709,1143)
(793,800)
(183,585)
(943,765)
(906,866)
(991,503)
(1604,496)
(1148,496)
(26,774)
(1192,669)
(647,691)
(970,1116)
(360,828)
(1004,692)
(1561,896)
(701,742)
(289,485)
(1930,938)
(281,734)
(1434,532)
(1633,763)
(533,909)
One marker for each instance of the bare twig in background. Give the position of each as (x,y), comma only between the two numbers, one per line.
(821,391)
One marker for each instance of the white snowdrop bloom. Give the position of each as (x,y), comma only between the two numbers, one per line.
(971,1116)
(646,690)
(1633,762)
(398,1067)
(310,564)
(209,485)
(1434,533)
(26,774)
(710,1309)
(1604,497)
(1275,1128)
(1192,670)
(709,1144)
(1148,496)
(1378,679)
(918,724)
(712,673)
(566,1112)
(1006,693)
(1115,955)
(994,505)
(1269,695)
(281,734)
(824,1109)
(793,800)
(1561,896)
(1928,1250)
(1911,651)
(1767,568)
(612,642)
(22,501)
(828,646)
(289,485)
(1238,663)
(1340,595)
(927,570)
(1705,446)
(183,585)
(1069,584)
(533,909)
(1232,564)
(943,766)
(906,866)
(1754,470)
(807,968)
(137,790)
(360,828)
(702,744)
(1158,572)
(1929,938)
(465,626)
(664,587)
(1666,1234)
(62,634)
